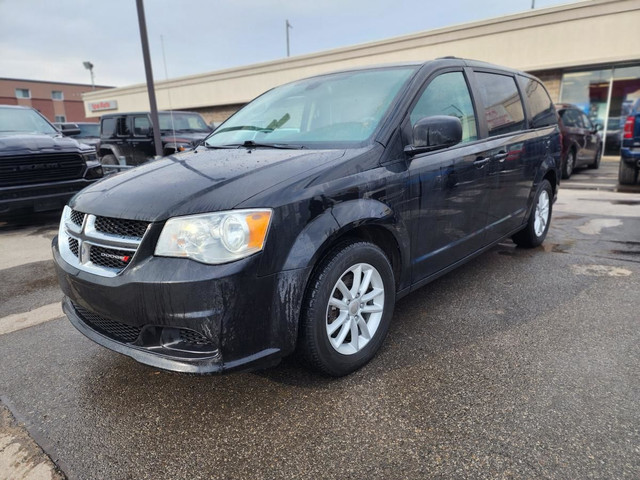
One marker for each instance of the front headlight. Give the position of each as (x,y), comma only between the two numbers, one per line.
(215,237)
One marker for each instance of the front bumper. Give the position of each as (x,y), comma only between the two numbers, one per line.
(184,316)
(40,197)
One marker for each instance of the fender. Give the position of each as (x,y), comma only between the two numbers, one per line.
(549,164)
(308,244)
(109,149)
(326,228)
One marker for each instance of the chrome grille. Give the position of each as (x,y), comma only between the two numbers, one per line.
(105,251)
(74,246)
(121,227)
(116,330)
(77,217)
(109,257)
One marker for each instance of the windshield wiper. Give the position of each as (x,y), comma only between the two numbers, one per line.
(252,144)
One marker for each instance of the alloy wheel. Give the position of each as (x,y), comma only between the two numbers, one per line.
(355,309)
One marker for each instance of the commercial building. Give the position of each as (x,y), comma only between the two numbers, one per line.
(587,53)
(59,102)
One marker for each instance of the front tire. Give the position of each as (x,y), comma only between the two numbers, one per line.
(539,220)
(347,310)
(627,174)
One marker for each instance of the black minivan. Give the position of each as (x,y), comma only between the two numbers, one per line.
(300,221)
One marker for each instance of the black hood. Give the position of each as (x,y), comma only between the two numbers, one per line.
(25,143)
(196,182)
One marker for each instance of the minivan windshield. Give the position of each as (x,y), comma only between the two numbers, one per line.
(341,107)
(24,120)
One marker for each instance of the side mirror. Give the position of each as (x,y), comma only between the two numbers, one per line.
(69,129)
(598,128)
(433,133)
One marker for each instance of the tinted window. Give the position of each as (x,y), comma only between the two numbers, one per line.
(570,118)
(108,127)
(540,105)
(123,128)
(448,94)
(141,126)
(502,104)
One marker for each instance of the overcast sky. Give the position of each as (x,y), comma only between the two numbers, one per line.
(49,39)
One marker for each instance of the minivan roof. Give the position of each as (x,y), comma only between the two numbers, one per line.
(107,115)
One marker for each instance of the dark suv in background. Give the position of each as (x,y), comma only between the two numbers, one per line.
(40,169)
(127,138)
(630,150)
(301,219)
(581,140)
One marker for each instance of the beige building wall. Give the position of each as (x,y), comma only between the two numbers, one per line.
(542,41)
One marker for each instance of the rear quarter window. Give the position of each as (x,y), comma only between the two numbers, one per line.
(501,101)
(108,128)
(542,113)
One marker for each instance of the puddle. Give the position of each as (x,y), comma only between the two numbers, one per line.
(600,271)
(595,226)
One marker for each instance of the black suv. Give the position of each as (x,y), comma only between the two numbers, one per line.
(40,169)
(301,219)
(127,138)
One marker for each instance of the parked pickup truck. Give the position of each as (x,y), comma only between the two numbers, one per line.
(630,151)
(40,169)
(126,139)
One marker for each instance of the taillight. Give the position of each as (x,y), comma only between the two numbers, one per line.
(628,126)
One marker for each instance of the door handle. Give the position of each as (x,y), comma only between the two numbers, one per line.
(500,156)
(480,162)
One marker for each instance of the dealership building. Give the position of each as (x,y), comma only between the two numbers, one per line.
(587,53)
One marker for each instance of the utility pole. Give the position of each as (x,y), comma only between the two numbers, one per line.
(533,4)
(149,74)
(288,26)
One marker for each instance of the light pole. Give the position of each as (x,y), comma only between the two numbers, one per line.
(288,26)
(89,66)
(149,74)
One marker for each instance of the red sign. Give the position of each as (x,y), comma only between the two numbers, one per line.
(103,105)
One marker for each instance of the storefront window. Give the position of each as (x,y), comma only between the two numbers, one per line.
(589,91)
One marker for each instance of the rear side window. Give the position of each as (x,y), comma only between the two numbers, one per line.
(501,101)
(448,94)
(123,128)
(141,126)
(540,105)
(108,127)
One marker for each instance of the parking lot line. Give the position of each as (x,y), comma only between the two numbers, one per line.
(18,321)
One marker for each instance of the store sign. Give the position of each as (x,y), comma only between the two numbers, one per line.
(103,105)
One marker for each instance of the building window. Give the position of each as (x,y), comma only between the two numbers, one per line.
(60,119)
(56,95)
(23,93)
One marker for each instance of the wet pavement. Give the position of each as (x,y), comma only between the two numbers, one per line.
(520,364)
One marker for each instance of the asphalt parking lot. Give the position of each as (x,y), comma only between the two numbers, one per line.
(520,364)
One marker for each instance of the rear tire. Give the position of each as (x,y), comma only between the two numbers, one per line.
(596,162)
(347,309)
(569,164)
(539,220)
(627,174)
